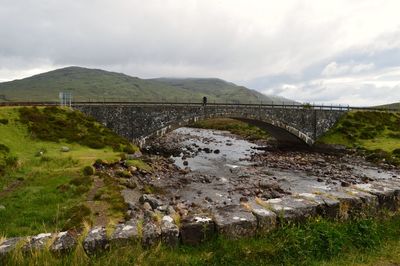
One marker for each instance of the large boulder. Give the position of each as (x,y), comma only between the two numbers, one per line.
(126,232)
(96,240)
(196,229)
(64,242)
(151,234)
(234,222)
(169,232)
(292,209)
(38,242)
(266,219)
(9,245)
(151,199)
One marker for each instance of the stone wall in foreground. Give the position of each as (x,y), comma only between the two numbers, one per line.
(252,218)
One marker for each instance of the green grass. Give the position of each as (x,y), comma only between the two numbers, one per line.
(377,134)
(139,164)
(237,127)
(367,241)
(46,185)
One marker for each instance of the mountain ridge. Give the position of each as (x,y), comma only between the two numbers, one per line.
(100,85)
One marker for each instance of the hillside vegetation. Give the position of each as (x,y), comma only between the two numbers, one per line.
(377,134)
(391,106)
(237,127)
(45,158)
(98,85)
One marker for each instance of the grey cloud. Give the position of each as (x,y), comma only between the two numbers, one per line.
(264,45)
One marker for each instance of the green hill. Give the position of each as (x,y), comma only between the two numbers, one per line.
(391,106)
(98,85)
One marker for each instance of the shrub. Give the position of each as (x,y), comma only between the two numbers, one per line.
(55,124)
(129,149)
(75,216)
(394,135)
(88,170)
(11,161)
(368,134)
(4,121)
(81,180)
(396,153)
(4,148)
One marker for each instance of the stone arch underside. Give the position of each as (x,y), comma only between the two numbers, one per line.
(285,135)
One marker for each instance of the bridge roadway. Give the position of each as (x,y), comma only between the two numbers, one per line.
(292,124)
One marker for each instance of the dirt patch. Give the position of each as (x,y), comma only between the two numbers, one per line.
(10,188)
(99,209)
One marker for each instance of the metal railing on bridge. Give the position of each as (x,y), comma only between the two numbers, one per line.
(281,105)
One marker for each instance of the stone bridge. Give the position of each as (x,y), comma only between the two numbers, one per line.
(290,125)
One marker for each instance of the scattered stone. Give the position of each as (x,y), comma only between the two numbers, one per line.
(197,229)
(64,149)
(171,210)
(243,199)
(147,206)
(345,184)
(234,222)
(169,232)
(151,199)
(2,208)
(64,242)
(132,169)
(133,156)
(96,240)
(207,150)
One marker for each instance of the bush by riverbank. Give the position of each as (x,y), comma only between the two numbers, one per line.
(376,134)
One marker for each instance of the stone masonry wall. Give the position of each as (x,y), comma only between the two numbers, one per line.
(138,122)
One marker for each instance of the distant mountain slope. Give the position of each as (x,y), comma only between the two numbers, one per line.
(390,106)
(98,85)
(220,89)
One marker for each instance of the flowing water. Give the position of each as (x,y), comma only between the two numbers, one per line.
(213,151)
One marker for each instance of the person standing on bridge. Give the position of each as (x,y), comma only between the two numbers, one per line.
(204,101)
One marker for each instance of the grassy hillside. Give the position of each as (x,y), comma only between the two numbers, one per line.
(220,89)
(94,84)
(42,185)
(391,106)
(375,133)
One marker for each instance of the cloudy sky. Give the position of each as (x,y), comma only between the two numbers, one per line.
(318,51)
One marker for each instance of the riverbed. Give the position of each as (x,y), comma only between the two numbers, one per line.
(218,169)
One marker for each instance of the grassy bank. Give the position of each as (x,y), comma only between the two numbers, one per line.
(368,241)
(237,127)
(44,150)
(375,133)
